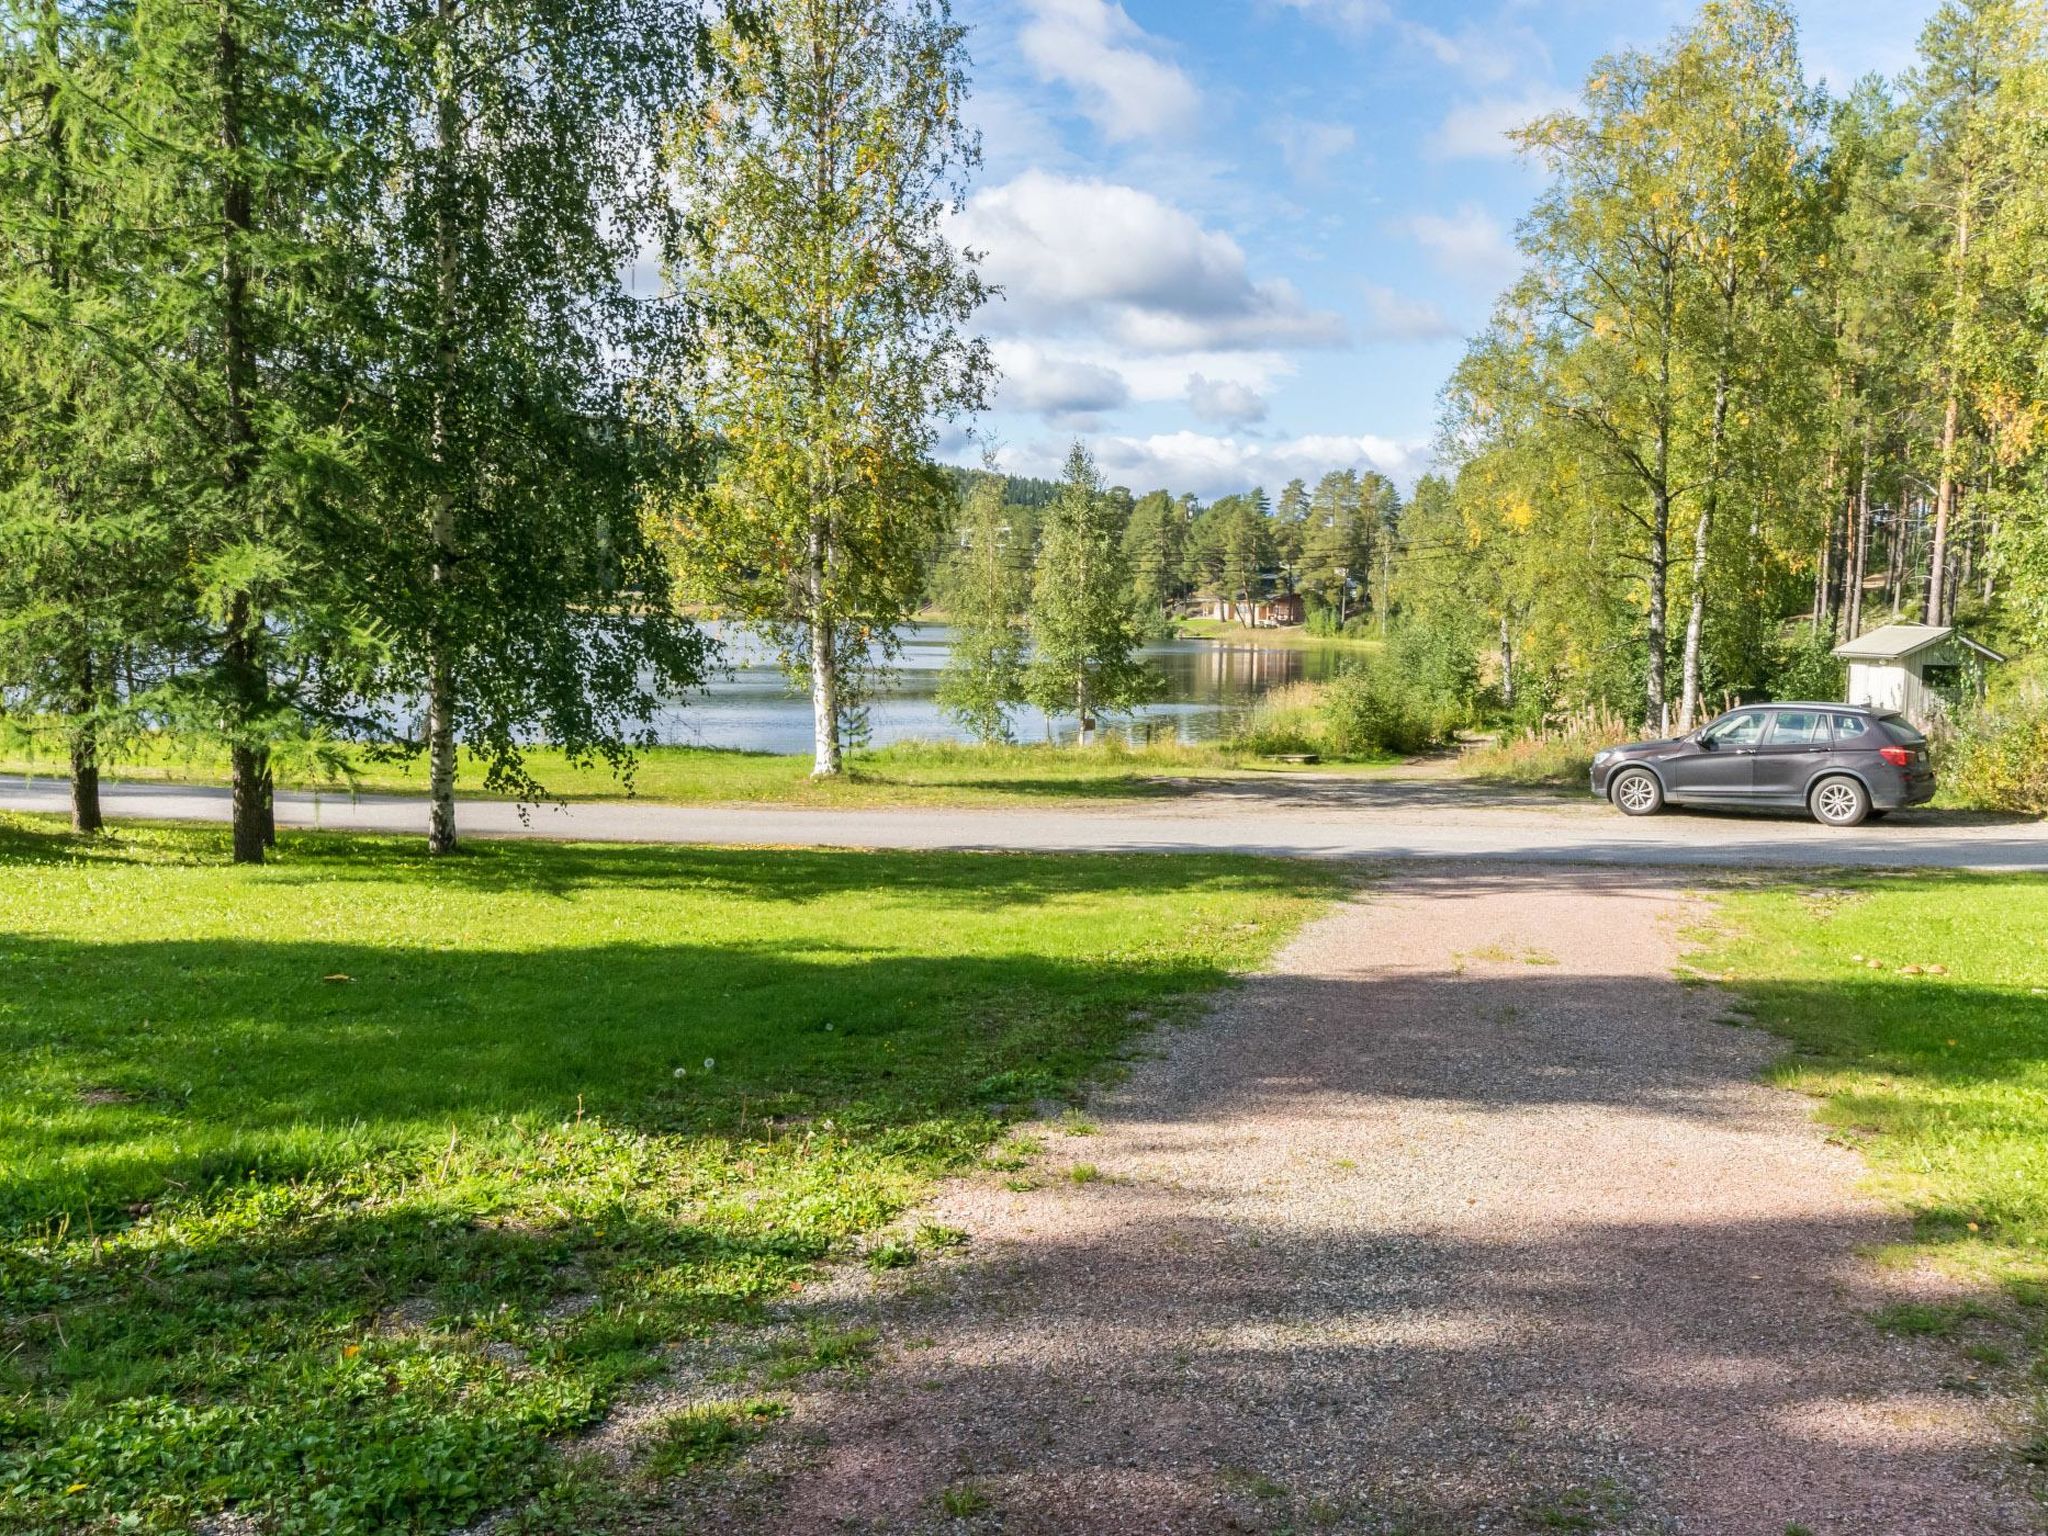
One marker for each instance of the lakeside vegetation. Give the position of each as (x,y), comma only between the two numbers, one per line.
(1925,1044)
(337,1192)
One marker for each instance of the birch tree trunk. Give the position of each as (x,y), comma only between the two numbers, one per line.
(1654,686)
(826,760)
(441,517)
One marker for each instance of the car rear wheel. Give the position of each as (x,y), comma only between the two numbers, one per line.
(1839,802)
(1637,792)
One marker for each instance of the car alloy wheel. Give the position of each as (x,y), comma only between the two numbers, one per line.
(1840,802)
(1636,792)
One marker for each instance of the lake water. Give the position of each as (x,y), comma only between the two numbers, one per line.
(1209,684)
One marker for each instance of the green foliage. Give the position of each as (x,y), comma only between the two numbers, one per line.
(1084,634)
(1803,665)
(339,1192)
(1994,756)
(1767,356)
(1372,710)
(1155,544)
(708,1434)
(1556,752)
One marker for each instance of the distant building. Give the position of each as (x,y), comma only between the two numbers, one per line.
(1273,612)
(1916,669)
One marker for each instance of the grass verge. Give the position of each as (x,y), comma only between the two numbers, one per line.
(1917,1006)
(336,1192)
(936,773)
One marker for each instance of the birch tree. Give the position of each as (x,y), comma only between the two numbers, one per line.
(514,183)
(816,178)
(1743,130)
(1085,631)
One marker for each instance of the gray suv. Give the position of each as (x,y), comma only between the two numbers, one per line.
(1840,762)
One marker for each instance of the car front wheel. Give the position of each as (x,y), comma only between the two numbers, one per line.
(1839,802)
(1637,792)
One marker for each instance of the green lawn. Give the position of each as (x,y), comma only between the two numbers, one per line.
(1918,1010)
(338,1191)
(934,774)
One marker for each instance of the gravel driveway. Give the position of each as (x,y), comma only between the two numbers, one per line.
(1465,1218)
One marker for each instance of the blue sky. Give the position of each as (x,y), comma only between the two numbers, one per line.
(1242,239)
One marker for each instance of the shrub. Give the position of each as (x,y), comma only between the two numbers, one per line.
(1369,710)
(1995,757)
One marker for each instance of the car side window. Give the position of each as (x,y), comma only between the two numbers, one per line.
(1743,730)
(1852,731)
(1799,728)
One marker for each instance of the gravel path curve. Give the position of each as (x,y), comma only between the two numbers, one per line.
(1465,1218)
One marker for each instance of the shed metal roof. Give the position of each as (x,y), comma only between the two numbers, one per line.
(1895,642)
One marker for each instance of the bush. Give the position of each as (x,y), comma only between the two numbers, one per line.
(1560,751)
(1322,623)
(1803,665)
(1370,710)
(1995,757)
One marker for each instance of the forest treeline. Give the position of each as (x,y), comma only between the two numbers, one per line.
(1777,366)
(1330,543)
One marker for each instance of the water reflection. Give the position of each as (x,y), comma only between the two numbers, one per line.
(1209,683)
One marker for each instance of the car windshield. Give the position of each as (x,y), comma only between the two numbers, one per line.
(1736,730)
(1903,731)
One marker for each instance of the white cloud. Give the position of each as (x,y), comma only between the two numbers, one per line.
(1057,388)
(1310,148)
(1469,242)
(1220,400)
(1398,318)
(1477,130)
(1104,260)
(1218,465)
(1124,87)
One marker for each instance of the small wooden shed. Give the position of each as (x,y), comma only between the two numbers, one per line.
(1914,668)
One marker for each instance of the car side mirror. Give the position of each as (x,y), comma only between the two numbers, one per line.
(1704,743)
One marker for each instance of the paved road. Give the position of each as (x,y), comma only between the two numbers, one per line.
(1303,817)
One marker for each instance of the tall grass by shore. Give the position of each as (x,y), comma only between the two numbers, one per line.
(1560,751)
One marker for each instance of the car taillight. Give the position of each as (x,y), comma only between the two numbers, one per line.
(1898,757)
